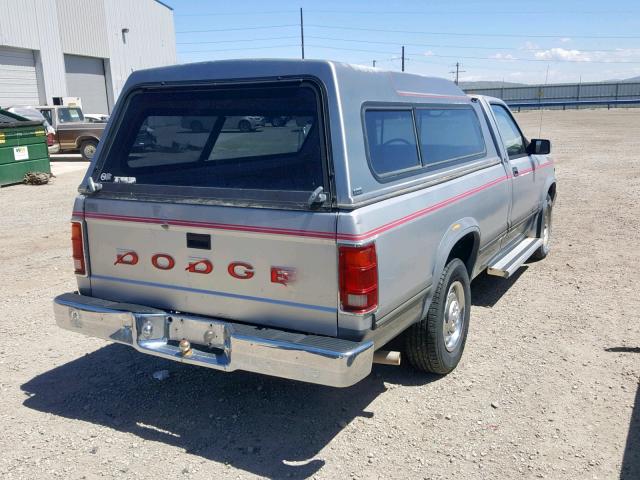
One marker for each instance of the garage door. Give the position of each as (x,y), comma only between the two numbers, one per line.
(18,81)
(85,79)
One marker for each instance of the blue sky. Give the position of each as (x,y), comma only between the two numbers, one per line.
(493,40)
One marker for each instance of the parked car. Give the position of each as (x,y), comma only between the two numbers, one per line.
(302,252)
(277,121)
(23,147)
(73,132)
(242,123)
(32,114)
(96,118)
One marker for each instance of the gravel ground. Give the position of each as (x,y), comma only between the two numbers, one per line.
(546,387)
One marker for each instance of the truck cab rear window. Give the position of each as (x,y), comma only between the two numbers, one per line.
(449,135)
(391,139)
(248,137)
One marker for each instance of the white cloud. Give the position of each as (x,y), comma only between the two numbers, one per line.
(625,53)
(428,53)
(565,40)
(530,46)
(619,54)
(503,56)
(558,53)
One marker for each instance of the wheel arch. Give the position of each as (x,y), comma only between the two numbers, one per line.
(551,190)
(461,240)
(84,138)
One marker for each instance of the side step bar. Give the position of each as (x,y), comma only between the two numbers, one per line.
(506,265)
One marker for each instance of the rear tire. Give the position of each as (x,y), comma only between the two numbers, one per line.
(88,149)
(435,344)
(545,230)
(244,126)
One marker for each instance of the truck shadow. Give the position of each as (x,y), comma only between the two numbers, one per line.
(267,426)
(487,290)
(631,459)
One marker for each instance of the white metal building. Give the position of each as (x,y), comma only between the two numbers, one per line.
(79,48)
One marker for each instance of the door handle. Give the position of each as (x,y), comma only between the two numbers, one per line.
(515,171)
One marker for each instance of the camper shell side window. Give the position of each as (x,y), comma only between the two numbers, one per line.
(409,140)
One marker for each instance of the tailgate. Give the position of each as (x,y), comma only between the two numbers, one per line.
(267,267)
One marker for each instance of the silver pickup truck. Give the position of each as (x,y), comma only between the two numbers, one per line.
(300,251)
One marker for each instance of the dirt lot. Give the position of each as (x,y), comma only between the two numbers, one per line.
(546,388)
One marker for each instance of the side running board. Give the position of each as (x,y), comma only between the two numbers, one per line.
(506,265)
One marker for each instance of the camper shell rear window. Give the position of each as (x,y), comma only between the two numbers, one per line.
(258,143)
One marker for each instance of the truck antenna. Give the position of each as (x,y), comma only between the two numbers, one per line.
(546,80)
(301,33)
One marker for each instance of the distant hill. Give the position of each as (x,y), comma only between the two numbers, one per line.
(489,84)
(498,83)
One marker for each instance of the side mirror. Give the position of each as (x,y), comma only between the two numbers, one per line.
(539,146)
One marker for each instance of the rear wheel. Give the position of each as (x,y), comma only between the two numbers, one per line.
(244,126)
(545,230)
(277,122)
(88,148)
(435,344)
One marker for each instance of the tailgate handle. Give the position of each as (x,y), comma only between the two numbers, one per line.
(201,241)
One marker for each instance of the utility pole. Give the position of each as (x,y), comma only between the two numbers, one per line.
(403,58)
(374,64)
(301,33)
(457,71)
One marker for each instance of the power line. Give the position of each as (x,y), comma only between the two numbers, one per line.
(428,13)
(373,42)
(467,34)
(351,49)
(493,59)
(240,40)
(218,14)
(432,45)
(238,49)
(264,27)
(545,60)
(475,12)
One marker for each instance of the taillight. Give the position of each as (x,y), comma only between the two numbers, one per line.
(358,278)
(50,139)
(77,248)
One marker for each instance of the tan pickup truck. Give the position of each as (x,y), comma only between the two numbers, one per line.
(73,132)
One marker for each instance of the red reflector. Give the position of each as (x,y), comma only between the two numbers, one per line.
(358,278)
(50,139)
(77,248)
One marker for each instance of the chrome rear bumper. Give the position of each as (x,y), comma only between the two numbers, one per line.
(218,344)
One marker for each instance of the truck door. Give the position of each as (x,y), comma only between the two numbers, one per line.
(521,169)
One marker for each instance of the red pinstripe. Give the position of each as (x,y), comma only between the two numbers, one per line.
(308,233)
(404,93)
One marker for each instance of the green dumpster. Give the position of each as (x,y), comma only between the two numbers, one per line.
(23,148)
